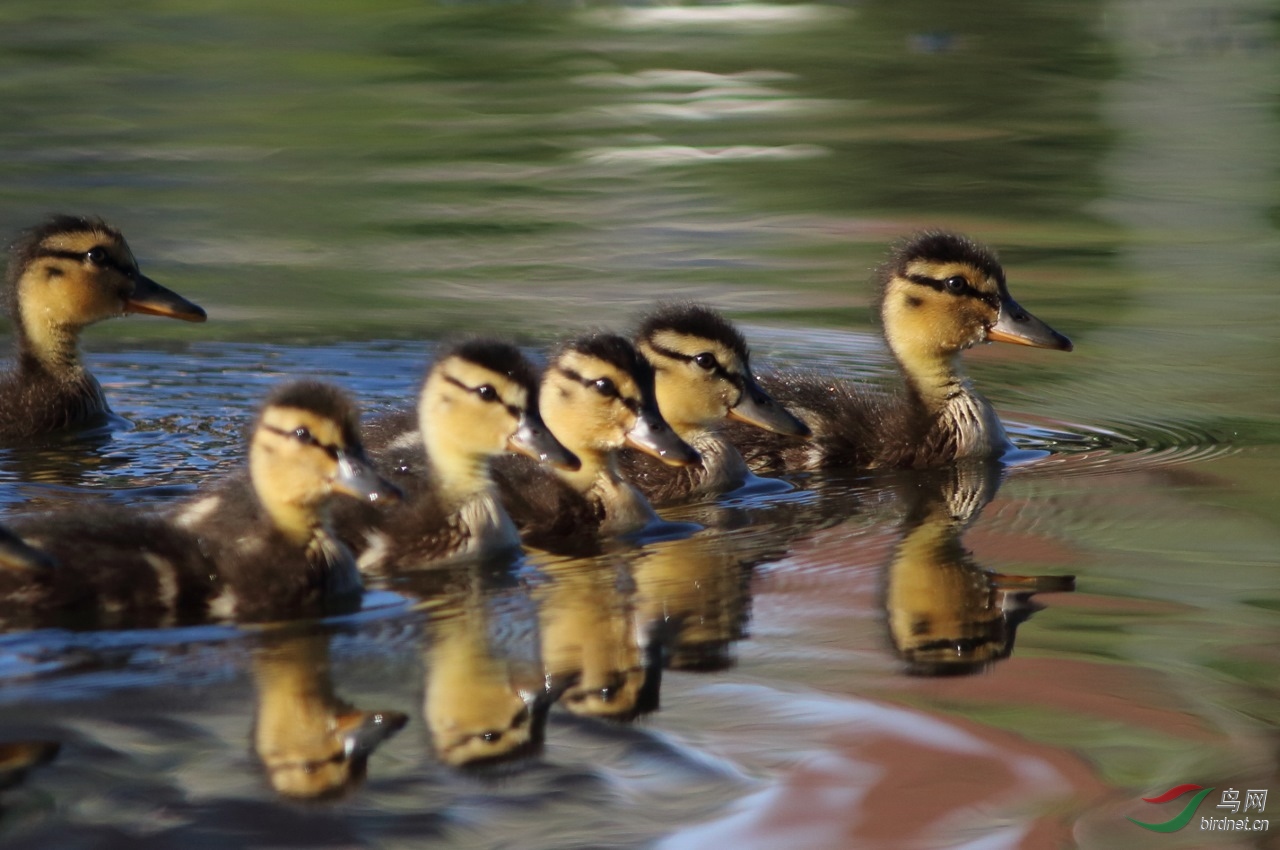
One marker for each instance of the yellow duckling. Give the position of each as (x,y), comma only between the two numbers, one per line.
(63,276)
(941,293)
(597,396)
(703,377)
(480,399)
(267,556)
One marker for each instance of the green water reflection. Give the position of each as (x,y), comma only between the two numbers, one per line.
(408,170)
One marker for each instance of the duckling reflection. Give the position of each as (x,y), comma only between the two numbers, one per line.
(692,600)
(590,648)
(481,705)
(946,614)
(312,744)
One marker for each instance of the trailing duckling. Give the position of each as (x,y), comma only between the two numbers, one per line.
(703,377)
(940,293)
(597,396)
(63,276)
(480,399)
(268,556)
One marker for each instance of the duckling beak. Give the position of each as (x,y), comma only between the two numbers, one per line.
(533,438)
(357,477)
(1019,327)
(652,435)
(15,554)
(153,299)
(756,407)
(362,731)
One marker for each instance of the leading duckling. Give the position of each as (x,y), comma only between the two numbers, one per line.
(271,556)
(940,294)
(480,399)
(597,396)
(63,276)
(703,377)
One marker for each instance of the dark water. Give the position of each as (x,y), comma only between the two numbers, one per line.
(341,187)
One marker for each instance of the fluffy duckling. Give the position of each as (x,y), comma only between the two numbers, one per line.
(63,276)
(941,293)
(597,395)
(703,377)
(480,399)
(259,558)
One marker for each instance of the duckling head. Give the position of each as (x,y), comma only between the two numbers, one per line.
(306,448)
(480,400)
(70,272)
(598,395)
(703,373)
(942,293)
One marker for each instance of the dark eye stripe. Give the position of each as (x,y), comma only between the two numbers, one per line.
(632,404)
(107,261)
(719,371)
(302,435)
(511,408)
(990,299)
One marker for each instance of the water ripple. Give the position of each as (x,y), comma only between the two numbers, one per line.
(1073,448)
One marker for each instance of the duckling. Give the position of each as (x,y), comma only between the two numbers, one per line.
(941,293)
(597,396)
(264,557)
(63,276)
(703,376)
(479,400)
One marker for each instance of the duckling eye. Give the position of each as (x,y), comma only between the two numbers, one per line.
(955,284)
(96,255)
(303,435)
(606,388)
(487,392)
(706,360)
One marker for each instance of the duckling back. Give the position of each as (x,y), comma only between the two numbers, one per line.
(105,566)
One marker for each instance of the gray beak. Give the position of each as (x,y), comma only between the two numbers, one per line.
(357,477)
(756,407)
(652,435)
(15,554)
(155,300)
(1019,327)
(534,438)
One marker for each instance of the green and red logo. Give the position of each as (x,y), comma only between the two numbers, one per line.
(1183,817)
